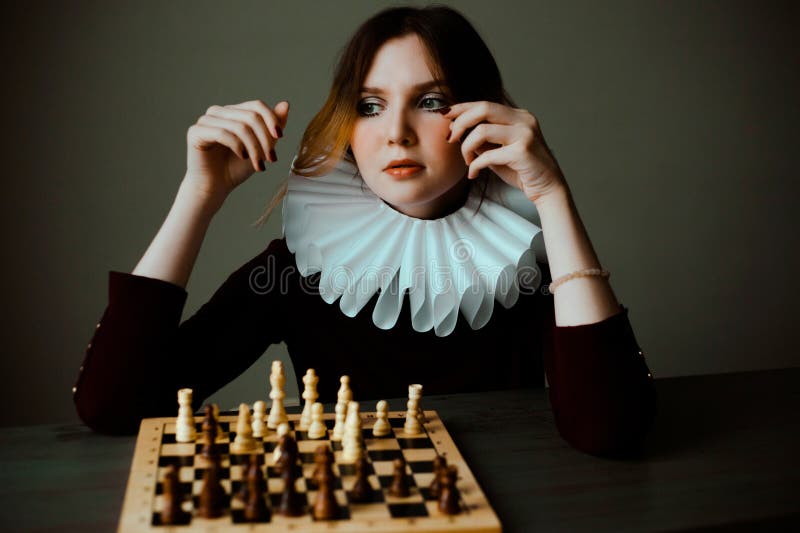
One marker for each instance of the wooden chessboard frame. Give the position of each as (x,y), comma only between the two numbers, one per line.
(156,448)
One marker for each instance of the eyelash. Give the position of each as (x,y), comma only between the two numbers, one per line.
(363,104)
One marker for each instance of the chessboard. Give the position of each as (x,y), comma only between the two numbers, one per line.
(157,449)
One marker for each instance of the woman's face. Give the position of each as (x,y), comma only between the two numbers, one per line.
(398,119)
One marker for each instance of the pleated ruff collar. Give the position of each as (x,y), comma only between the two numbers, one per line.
(462,262)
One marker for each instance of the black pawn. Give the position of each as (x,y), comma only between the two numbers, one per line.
(255,510)
(212,495)
(448,500)
(291,503)
(439,464)
(172,512)
(362,490)
(399,486)
(325,505)
(253,469)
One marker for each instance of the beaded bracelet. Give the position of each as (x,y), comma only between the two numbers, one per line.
(578,274)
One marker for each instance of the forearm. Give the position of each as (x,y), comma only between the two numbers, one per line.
(173,252)
(583,300)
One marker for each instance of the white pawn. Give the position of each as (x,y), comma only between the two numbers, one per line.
(412,425)
(352,440)
(344,396)
(283,429)
(317,429)
(382,426)
(277,413)
(415,391)
(259,419)
(184,424)
(244,441)
(310,395)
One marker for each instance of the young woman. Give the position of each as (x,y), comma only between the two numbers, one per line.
(412,202)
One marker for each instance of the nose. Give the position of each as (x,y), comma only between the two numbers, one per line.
(400,129)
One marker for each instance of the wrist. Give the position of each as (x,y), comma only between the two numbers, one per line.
(202,202)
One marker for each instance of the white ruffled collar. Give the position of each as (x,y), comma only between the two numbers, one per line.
(336,225)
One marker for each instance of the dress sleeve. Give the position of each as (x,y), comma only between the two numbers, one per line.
(140,354)
(601,390)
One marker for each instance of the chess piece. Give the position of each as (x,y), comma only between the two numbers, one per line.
(310,395)
(352,440)
(362,490)
(244,441)
(277,413)
(254,463)
(325,506)
(212,495)
(291,503)
(439,464)
(283,429)
(344,396)
(255,510)
(448,499)
(289,453)
(412,425)
(172,513)
(415,391)
(210,449)
(259,419)
(323,459)
(184,424)
(382,428)
(317,428)
(399,486)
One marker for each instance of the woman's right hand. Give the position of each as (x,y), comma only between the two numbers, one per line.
(229,143)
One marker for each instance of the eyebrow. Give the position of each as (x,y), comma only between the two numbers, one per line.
(417,87)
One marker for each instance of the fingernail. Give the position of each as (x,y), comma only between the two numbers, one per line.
(261,166)
(244,153)
(444,110)
(273,156)
(449,135)
(279,130)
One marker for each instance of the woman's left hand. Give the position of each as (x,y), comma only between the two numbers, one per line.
(510,143)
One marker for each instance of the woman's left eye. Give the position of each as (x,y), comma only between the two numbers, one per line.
(436,99)
(366,107)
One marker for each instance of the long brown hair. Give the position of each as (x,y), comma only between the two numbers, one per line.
(457,57)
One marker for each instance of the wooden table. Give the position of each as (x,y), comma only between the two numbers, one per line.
(723,456)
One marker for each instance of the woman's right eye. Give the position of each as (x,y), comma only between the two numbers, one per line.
(364,109)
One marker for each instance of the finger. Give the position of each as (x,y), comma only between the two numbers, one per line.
(202,137)
(497,156)
(490,135)
(270,116)
(240,130)
(469,114)
(265,140)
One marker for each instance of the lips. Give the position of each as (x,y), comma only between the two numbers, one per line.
(403,163)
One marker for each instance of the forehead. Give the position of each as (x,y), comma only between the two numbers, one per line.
(400,63)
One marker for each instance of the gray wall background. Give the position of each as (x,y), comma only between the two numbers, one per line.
(675,123)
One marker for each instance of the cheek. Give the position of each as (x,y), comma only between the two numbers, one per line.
(364,134)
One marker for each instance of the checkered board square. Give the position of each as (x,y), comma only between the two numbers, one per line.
(156,449)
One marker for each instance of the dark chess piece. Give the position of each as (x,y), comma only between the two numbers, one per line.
(325,505)
(212,495)
(362,490)
(291,503)
(449,497)
(399,486)
(255,510)
(323,458)
(289,453)
(210,449)
(439,464)
(172,512)
(253,469)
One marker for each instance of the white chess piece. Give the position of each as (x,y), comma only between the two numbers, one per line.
(317,429)
(184,424)
(412,425)
(283,429)
(244,441)
(310,395)
(352,441)
(277,379)
(415,391)
(382,426)
(344,396)
(259,419)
